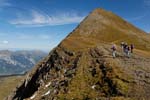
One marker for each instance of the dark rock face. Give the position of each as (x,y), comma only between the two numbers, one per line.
(82,67)
(61,63)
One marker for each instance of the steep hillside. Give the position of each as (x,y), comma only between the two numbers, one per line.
(82,68)
(18,62)
(105,27)
(7,84)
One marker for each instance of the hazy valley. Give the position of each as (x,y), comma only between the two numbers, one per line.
(18,62)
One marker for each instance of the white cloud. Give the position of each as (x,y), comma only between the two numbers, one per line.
(147,2)
(137,18)
(32,36)
(5,42)
(41,19)
(4,3)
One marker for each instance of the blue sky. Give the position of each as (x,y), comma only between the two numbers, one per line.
(42,24)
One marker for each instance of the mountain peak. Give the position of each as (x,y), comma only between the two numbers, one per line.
(81,67)
(102,26)
(100,11)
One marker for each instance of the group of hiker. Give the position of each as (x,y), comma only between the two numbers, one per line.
(126,49)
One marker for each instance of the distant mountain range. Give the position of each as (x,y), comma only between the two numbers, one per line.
(18,62)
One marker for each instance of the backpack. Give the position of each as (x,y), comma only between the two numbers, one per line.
(132,46)
(113,48)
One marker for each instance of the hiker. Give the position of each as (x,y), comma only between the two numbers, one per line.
(128,51)
(122,45)
(125,47)
(131,47)
(113,50)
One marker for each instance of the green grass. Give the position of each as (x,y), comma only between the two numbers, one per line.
(7,84)
(110,29)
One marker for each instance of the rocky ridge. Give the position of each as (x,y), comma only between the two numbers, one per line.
(81,66)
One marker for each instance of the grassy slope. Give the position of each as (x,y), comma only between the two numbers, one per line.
(79,88)
(105,27)
(7,84)
(81,85)
(95,31)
